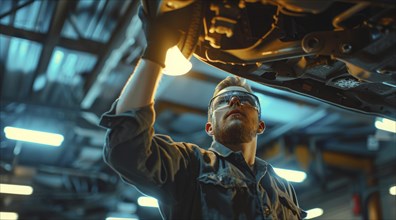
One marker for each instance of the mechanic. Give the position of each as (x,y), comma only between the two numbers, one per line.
(227,181)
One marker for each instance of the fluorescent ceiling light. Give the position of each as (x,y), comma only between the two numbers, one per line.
(120,215)
(392,190)
(175,63)
(291,175)
(147,201)
(9,215)
(39,137)
(313,213)
(385,124)
(121,218)
(16,189)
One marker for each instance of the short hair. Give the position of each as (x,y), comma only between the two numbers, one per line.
(227,82)
(232,81)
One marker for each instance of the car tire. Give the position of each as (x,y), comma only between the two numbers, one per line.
(189,40)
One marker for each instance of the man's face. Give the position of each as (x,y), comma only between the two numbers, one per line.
(235,116)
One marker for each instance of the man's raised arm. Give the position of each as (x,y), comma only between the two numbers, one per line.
(140,89)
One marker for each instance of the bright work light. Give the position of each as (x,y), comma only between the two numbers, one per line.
(15,189)
(9,215)
(175,63)
(291,175)
(392,190)
(385,124)
(121,218)
(39,137)
(313,213)
(147,201)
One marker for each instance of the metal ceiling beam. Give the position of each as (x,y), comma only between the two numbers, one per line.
(16,8)
(298,123)
(7,49)
(348,161)
(342,131)
(83,45)
(116,39)
(21,33)
(52,37)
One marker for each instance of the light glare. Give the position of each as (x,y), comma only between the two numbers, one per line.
(9,215)
(392,190)
(291,175)
(147,201)
(39,137)
(385,124)
(15,189)
(175,63)
(313,213)
(121,218)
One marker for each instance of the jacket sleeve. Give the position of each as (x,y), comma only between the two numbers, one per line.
(155,164)
(293,195)
(287,193)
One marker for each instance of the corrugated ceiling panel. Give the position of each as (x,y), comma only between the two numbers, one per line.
(93,19)
(22,54)
(33,16)
(67,66)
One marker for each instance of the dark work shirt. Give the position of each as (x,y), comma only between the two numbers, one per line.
(191,182)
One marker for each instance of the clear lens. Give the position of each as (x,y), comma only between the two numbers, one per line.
(245,98)
(220,101)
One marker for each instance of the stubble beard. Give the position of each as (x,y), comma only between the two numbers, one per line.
(234,133)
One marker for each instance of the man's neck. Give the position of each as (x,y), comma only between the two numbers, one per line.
(248,150)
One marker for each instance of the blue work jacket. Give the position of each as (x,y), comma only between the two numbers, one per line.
(191,182)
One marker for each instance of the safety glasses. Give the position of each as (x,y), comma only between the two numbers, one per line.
(245,98)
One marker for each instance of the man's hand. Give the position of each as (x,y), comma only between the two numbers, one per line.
(160,36)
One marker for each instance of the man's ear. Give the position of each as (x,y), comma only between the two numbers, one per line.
(261,127)
(209,128)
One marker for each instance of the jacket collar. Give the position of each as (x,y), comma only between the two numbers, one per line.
(220,149)
(260,165)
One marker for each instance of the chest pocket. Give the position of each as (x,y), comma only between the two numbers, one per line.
(282,204)
(225,197)
(221,180)
(286,209)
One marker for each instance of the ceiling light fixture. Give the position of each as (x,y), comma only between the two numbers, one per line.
(291,175)
(313,213)
(121,218)
(385,124)
(175,62)
(9,215)
(392,190)
(39,137)
(147,201)
(15,189)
